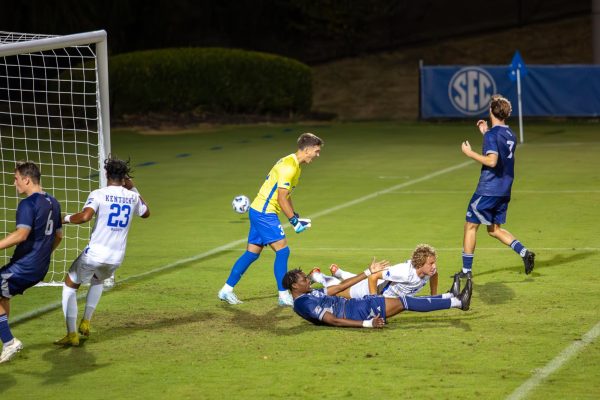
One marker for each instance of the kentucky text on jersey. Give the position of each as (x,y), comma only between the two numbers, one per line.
(119,199)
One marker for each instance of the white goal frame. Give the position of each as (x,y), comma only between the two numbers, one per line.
(95,43)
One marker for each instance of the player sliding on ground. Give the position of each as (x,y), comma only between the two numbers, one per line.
(406,278)
(114,207)
(323,307)
(489,204)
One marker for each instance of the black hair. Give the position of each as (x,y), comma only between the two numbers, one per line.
(30,170)
(290,278)
(117,169)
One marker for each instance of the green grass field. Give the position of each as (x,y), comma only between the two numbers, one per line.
(378,189)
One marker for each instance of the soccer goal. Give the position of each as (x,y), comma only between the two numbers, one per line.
(54,110)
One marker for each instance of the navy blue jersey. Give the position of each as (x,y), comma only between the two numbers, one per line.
(39,212)
(498,181)
(312,307)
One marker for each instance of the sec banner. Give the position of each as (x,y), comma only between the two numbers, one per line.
(547,90)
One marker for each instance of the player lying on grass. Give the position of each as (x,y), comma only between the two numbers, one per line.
(323,307)
(406,278)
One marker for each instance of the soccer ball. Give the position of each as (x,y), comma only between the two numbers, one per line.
(240,204)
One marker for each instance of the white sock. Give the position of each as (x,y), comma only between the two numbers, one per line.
(226,288)
(455,303)
(92,299)
(447,295)
(344,274)
(69,303)
(283,294)
(318,277)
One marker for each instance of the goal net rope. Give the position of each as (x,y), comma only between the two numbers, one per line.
(51,107)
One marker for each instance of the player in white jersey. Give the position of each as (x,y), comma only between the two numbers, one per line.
(114,207)
(406,278)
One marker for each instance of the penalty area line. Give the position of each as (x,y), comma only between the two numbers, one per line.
(564,356)
(175,264)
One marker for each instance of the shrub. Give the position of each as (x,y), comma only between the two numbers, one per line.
(211,79)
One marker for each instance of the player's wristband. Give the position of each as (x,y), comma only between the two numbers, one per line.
(368,323)
(368,272)
(67,218)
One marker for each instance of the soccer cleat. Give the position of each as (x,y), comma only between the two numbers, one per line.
(84,327)
(465,295)
(286,301)
(229,297)
(313,271)
(109,283)
(72,339)
(9,350)
(334,269)
(455,288)
(464,275)
(529,261)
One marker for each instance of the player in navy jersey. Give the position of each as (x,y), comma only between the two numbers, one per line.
(38,233)
(489,204)
(323,307)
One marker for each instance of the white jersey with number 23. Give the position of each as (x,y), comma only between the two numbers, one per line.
(115,207)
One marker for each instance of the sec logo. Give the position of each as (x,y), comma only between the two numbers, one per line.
(470,90)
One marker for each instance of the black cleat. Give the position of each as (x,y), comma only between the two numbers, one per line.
(465,295)
(463,275)
(455,288)
(529,261)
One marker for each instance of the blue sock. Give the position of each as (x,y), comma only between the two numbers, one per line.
(280,268)
(5,333)
(424,304)
(467,260)
(240,266)
(518,248)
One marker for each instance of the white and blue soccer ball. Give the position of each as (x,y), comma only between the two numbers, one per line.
(240,204)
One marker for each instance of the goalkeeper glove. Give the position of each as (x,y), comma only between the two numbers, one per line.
(300,224)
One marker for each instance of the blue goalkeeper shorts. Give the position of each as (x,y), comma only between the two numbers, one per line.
(265,228)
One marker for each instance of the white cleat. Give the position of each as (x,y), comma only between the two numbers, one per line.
(229,297)
(286,301)
(109,283)
(10,350)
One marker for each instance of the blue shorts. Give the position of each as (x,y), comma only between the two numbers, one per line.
(12,282)
(264,228)
(365,308)
(487,210)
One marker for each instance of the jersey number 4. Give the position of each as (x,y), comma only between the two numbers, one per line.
(119,216)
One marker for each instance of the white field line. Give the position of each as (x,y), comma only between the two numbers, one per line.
(564,356)
(58,304)
(463,192)
(459,249)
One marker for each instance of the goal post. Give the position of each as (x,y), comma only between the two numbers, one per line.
(54,110)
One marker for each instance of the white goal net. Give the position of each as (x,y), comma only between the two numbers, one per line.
(54,112)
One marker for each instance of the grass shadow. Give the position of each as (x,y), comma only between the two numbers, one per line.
(269,321)
(494,292)
(414,321)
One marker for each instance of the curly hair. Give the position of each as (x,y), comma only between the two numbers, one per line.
(420,255)
(117,169)
(290,278)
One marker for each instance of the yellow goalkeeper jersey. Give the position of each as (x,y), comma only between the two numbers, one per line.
(284,174)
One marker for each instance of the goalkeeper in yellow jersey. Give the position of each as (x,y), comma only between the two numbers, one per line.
(265,229)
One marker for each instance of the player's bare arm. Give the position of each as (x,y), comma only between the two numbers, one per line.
(285,203)
(433,284)
(79,218)
(375,267)
(483,126)
(14,238)
(129,185)
(330,319)
(57,239)
(489,160)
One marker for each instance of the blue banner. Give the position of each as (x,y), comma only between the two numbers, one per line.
(547,90)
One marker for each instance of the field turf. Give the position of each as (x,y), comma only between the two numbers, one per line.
(378,189)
